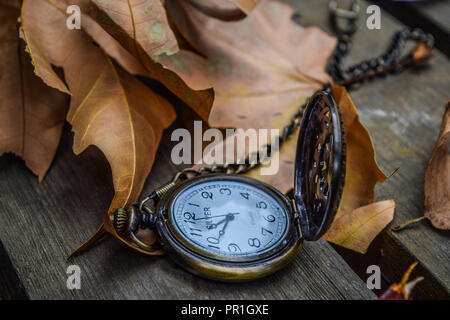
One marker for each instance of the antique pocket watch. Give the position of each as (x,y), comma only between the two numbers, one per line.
(234,228)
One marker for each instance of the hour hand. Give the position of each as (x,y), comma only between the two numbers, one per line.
(230,217)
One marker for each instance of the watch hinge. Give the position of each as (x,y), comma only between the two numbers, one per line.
(296,217)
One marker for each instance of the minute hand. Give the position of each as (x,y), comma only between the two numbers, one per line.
(218,216)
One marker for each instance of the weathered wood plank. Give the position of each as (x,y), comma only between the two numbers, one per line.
(41,224)
(403,114)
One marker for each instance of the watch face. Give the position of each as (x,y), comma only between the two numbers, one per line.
(230,219)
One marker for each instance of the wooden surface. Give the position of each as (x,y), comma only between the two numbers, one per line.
(41,224)
(403,114)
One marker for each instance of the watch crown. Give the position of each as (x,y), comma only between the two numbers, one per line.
(120,220)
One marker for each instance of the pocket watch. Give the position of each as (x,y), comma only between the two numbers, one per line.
(230,227)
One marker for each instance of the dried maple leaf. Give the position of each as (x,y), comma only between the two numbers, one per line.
(130,30)
(31,113)
(109,108)
(402,290)
(264,65)
(145,21)
(356,229)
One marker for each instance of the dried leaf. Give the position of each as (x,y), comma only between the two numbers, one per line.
(402,290)
(362,170)
(356,229)
(225,10)
(437,178)
(246,5)
(145,21)
(109,108)
(264,65)
(437,182)
(96,22)
(31,113)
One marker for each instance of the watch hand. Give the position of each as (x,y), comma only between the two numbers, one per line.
(230,217)
(214,225)
(222,232)
(210,217)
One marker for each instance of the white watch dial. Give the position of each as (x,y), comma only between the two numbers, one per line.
(230,218)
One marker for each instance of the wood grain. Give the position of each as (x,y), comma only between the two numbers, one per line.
(41,224)
(403,114)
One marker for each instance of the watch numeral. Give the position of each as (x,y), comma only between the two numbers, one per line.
(245,195)
(226,191)
(207,195)
(189,215)
(269,218)
(233,247)
(215,247)
(213,240)
(194,232)
(261,205)
(254,242)
(193,204)
(264,230)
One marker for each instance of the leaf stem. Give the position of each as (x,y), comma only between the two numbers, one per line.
(404,225)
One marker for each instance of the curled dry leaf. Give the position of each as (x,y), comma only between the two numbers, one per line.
(109,108)
(31,113)
(402,290)
(437,178)
(437,181)
(362,170)
(131,27)
(356,229)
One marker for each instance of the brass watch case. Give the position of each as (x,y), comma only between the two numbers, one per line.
(211,266)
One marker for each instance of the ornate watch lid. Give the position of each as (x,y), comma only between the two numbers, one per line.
(319,166)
